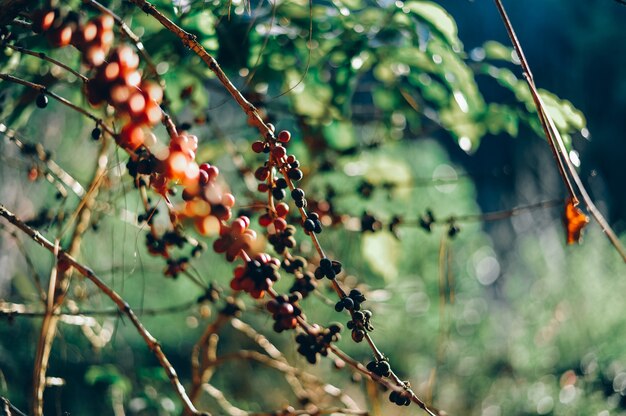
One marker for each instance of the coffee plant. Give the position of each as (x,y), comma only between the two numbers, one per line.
(260,185)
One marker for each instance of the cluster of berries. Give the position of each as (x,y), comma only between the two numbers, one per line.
(369,223)
(285,311)
(275,221)
(280,159)
(176,266)
(94,38)
(117,79)
(304,284)
(284,239)
(380,368)
(317,341)
(312,224)
(206,202)
(427,220)
(236,238)
(118,82)
(327,268)
(298,198)
(360,324)
(159,246)
(401,398)
(294,264)
(351,302)
(256,276)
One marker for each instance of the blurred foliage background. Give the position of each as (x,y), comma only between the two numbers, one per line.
(396,108)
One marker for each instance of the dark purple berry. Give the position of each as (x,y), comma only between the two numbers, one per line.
(295,174)
(281,183)
(42,100)
(278,193)
(309,225)
(297,194)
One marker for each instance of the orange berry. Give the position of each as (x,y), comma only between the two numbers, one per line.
(131,136)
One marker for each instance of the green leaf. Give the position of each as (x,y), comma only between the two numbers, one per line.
(497,51)
(437,18)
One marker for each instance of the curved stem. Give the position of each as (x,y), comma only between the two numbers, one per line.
(122,305)
(42,89)
(556,142)
(45,57)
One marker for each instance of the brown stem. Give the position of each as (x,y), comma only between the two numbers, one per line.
(62,100)
(9,409)
(122,305)
(45,57)
(189,41)
(200,362)
(556,142)
(19,310)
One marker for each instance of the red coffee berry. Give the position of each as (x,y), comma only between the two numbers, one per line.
(265,220)
(131,136)
(258,146)
(284,136)
(279,152)
(282,209)
(43,20)
(203,177)
(280,224)
(262,173)
(61,36)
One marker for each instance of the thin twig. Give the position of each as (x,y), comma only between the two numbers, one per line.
(122,305)
(555,140)
(42,89)
(45,57)
(228,407)
(46,336)
(293,379)
(189,40)
(11,310)
(11,410)
(202,354)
